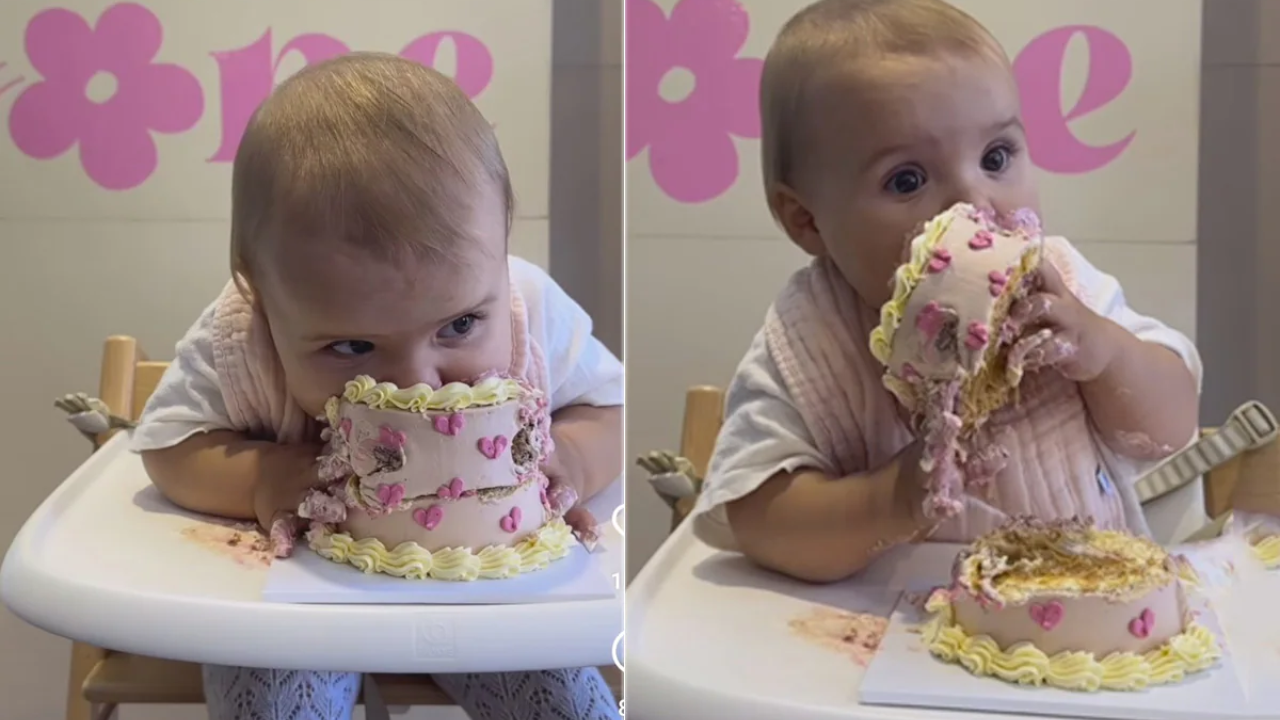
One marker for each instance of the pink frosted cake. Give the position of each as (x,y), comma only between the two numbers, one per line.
(945,336)
(1066,605)
(437,483)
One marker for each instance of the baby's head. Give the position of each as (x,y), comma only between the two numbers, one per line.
(878,115)
(369,220)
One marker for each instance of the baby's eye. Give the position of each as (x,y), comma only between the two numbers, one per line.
(351,348)
(996,159)
(905,182)
(461,327)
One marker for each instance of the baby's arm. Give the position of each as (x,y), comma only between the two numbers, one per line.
(586,386)
(1145,403)
(198,460)
(588,442)
(771,495)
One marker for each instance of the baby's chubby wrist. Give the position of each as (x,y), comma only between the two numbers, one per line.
(565,464)
(286,475)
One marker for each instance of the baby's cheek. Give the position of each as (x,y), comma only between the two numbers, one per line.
(311,385)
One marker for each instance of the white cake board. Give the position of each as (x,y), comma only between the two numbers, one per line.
(904,673)
(308,578)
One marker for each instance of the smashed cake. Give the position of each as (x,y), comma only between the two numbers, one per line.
(1066,605)
(441,483)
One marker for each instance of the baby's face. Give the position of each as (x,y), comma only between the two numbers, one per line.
(335,314)
(901,140)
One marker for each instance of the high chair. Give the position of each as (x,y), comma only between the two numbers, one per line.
(1260,458)
(100,680)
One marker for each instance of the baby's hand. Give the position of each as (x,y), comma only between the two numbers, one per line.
(275,502)
(1061,332)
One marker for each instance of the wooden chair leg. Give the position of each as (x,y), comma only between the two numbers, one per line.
(84,658)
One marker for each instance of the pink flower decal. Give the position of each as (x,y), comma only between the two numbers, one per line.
(102,90)
(689,94)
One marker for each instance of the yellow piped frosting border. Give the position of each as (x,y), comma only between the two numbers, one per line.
(905,280)
(1267,550)
(364,390)
(412,561)
(1194,650)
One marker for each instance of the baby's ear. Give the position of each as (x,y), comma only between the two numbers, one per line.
(793,215)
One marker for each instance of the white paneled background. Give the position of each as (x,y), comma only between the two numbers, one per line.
(79,262)
(701,274)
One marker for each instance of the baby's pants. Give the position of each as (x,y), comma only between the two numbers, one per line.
(237,693)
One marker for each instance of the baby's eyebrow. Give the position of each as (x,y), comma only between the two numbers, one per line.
(878,156)
(1006,124)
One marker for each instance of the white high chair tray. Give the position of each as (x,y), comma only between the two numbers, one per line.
(106,560)
(710,635)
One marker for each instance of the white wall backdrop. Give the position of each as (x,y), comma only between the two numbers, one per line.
(1112,106)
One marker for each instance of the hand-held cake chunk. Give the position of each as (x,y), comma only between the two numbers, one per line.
(945,339)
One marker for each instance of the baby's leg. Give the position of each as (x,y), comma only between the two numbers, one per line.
(241,693)
(568,694)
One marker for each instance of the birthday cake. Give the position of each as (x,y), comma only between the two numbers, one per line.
(946,334)
(1064,604)
(436,483)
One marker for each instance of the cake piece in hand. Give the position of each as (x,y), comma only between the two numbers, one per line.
(946,336)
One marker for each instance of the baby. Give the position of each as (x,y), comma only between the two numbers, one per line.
(371,209)
(877,116)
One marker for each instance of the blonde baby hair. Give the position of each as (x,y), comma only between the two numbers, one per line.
(830,34)
(369,150)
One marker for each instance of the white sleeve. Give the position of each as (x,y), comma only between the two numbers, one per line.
(188,399)
(763,434)
(1105,297)
(582,370)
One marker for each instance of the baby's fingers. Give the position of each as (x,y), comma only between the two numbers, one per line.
(560,497)
(584,526)
(285,528)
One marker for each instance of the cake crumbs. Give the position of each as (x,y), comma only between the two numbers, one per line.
(242,542)
(853,634)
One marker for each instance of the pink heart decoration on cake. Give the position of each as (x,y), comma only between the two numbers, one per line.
(940,260)
(450,424)
(392,438)
(511,521)
(1047,615)
(493,447)
(428,518)
(977,337)
(997,280)
(451,490)
(390,493)
(982,240)
(1141,626)
(345,428)
(930,320)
